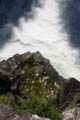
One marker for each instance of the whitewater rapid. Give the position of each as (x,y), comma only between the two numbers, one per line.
(45,33)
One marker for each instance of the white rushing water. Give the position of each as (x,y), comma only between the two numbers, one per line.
(44,33)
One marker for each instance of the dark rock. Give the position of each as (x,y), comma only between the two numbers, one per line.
(30,74)
(12,71)
(69,93)
(4,83)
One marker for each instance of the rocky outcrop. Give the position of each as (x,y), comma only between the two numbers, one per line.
(70,93)
(71,114)
(29,83)
(13,70)
(8,113)
(26,68)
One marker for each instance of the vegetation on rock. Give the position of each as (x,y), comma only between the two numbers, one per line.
(30,84)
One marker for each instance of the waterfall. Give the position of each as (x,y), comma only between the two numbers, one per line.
(41,29)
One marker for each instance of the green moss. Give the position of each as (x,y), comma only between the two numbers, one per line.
(53,113)
(6,99)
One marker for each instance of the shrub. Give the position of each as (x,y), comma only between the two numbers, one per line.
(40,106)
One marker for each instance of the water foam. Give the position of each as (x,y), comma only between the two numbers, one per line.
(44,33)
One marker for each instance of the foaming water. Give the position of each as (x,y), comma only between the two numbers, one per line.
(44,33)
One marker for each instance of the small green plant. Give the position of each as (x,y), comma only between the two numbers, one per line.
(53,113)
(38,105)
(6,99)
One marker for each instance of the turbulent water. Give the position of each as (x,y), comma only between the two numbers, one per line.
(43,31)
